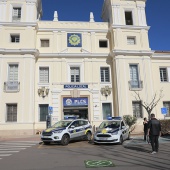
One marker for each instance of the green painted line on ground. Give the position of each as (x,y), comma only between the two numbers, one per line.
(98,163)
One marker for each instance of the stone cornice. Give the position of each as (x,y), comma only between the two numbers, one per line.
(34,52)
(71,30)
(73,55)
(133,27)
(19,24)
(161,56)
(132,52)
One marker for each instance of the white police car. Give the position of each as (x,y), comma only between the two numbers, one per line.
(112,131)
(65,130)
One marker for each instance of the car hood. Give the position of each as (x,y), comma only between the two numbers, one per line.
(107,130)
(53,129)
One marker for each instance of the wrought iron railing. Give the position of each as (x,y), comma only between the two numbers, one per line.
(11,86)
(135,85)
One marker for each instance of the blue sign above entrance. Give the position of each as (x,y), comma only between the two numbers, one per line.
(81,101)
(75,86)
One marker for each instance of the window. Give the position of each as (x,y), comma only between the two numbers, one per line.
(134,79)
(75,74)
(15,38)
(13,72)
(45,43)
(16,14)
(163,74)
(76,123)
(43,112)
(167,105)
(128,18)
(107,110)
(105,74)
(137,109)
(12,84)
(44,74)
(131,40)
(103,43)
(11,112)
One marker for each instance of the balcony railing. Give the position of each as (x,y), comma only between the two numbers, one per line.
(11,86)
(135,85)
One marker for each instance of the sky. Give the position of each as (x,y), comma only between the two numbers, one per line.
(157,15)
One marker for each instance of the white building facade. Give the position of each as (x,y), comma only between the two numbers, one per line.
(88,69)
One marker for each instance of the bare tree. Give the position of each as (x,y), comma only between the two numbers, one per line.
(149,106)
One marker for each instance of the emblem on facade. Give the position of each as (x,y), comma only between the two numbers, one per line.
(74,39)
(68,101)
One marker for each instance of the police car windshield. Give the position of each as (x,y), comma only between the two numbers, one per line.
(61,124)
(110,124)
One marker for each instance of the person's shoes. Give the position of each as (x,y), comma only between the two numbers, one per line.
(153,152)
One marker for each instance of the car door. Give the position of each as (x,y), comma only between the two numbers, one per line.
(74,131)
(83,125)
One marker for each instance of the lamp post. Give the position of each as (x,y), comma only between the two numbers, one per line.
(43,91)
(106,91)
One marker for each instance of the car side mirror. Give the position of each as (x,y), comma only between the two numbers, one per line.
(72,126)
(97,128)
(123,127)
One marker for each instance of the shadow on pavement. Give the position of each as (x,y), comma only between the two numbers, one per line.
(138,148)
(166,136)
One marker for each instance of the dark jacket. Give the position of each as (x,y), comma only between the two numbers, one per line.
(145,128)
(155,127)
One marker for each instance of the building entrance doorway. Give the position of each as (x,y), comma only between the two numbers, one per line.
(75,107)
(81,113)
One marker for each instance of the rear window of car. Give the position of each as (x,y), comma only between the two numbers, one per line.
(110,124)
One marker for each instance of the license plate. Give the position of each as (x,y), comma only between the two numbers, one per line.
(46,137)
(103,138)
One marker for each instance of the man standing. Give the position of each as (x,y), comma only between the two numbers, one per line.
(154,130)
(145,129)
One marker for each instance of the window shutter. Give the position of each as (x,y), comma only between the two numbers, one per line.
(134,76)
(13,72)
(44,75)
(75,74)
(105,75)
(131,41)
(11,112)
(15,12)
(137,110)
(163,74)
(43,112)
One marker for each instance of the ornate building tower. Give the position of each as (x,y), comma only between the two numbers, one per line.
(130,52)
(18,24)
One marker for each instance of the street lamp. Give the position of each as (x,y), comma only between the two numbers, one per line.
(43,91)
(106,91)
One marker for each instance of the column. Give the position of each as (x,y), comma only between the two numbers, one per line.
(55,105)
(116,14)
(30,13)
(141,15)
(3,6)
(96,104)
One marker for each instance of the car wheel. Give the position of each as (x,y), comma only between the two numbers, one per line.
(46,143)
(121,140)
(89,136)
(65,140)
